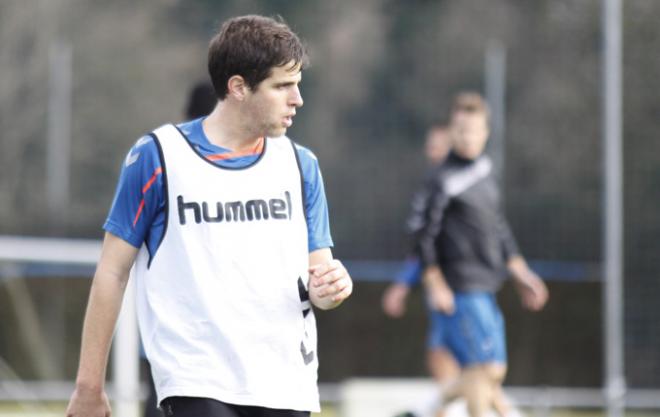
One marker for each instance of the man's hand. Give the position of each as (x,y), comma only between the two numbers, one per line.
(531,288)
(329,284)
(88,403)
(394,300)
(440,296)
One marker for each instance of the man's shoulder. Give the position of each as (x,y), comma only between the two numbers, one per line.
(304,154)
(144,152)
(442,170)
(453,166)
(458,177)
(189,127)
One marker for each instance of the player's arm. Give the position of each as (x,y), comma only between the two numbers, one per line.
(110,280)
(394,297)
(531,288)
(439,294)
(137,200)
(421,203)
(425,236)
(329,281)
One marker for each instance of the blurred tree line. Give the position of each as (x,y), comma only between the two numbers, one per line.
(382,71)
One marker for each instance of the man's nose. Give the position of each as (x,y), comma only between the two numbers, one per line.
(296,98)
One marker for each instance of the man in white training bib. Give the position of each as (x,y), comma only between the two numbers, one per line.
(225,224)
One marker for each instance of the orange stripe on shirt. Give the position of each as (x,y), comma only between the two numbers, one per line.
(149,183)
(145,188)
(139,212)
(229,155)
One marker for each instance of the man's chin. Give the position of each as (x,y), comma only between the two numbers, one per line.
(468,154)
(274,133)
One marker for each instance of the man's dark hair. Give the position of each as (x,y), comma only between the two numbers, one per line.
(250,46)
(201,100)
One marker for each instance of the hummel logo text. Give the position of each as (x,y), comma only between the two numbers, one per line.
(236,211)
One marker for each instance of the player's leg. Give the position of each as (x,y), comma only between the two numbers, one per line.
(501,403)
(483,389)
(441,362)
(480,386)
(497,369)
(474,387)
(442,365)
(446,372)
(476,337)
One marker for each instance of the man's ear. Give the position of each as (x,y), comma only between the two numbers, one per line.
(237,87)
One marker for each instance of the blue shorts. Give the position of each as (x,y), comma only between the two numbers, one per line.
(474,334)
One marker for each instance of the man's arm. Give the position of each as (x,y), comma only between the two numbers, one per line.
(531,288)
(420,203)
(110,280)
(425,237)
(507,240)
(329,281)
(440,295)
(394,297)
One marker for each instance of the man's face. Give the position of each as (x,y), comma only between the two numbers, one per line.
(469,133)
(272,104)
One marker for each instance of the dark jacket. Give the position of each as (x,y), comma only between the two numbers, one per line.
(457,224)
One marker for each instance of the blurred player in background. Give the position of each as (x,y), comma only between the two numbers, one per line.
(467,250)
(226,221)
(200,102)
(441,363)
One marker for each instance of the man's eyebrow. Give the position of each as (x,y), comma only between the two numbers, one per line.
(288,82)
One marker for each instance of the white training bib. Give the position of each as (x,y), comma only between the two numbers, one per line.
(222,305)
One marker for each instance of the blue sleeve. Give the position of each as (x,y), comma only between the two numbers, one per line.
(316,205)
(139,195)
(410,273)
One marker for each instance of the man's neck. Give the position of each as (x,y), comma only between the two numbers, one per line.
(225,129)
(463,159)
